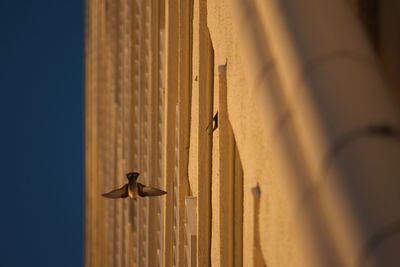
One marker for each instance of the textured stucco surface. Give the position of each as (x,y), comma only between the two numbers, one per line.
(285,124)
(246,121)
(292,176)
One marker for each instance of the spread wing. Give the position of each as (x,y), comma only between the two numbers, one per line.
(132,175)
(117,193)
(148,191)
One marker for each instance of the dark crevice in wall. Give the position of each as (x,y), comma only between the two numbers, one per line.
(190,79)
(230,181)
(210,115)
(238,208)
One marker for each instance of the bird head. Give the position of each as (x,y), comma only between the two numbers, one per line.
(132,175)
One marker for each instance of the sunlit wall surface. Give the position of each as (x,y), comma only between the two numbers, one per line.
(272,125)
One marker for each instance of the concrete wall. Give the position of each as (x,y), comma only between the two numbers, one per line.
(301,168)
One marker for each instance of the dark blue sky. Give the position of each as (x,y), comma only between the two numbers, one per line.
(41,133)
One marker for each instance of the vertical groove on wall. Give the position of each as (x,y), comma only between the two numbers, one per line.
(238,209)
(184,96)
(102,141)
(206,78)
(155,135)
(160,129)
(118,125)
(136,13)
(226,150)
(145,132)
(231,183)
(108,131)
(171,95)
(175,193)
(120,121)
(110,94)
(91,55)
(126,165)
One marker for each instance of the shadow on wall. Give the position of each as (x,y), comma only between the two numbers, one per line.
(258,260)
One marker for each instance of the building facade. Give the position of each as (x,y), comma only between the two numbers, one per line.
(273,125)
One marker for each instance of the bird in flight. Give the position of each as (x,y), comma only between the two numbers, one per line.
(133,189)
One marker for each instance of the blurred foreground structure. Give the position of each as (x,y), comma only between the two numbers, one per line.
(303,168)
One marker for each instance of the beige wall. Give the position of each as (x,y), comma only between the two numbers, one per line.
(156,74)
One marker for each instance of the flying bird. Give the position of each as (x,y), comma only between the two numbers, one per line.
(133,189)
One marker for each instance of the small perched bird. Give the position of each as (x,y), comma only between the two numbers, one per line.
(213,123)
(132,189)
